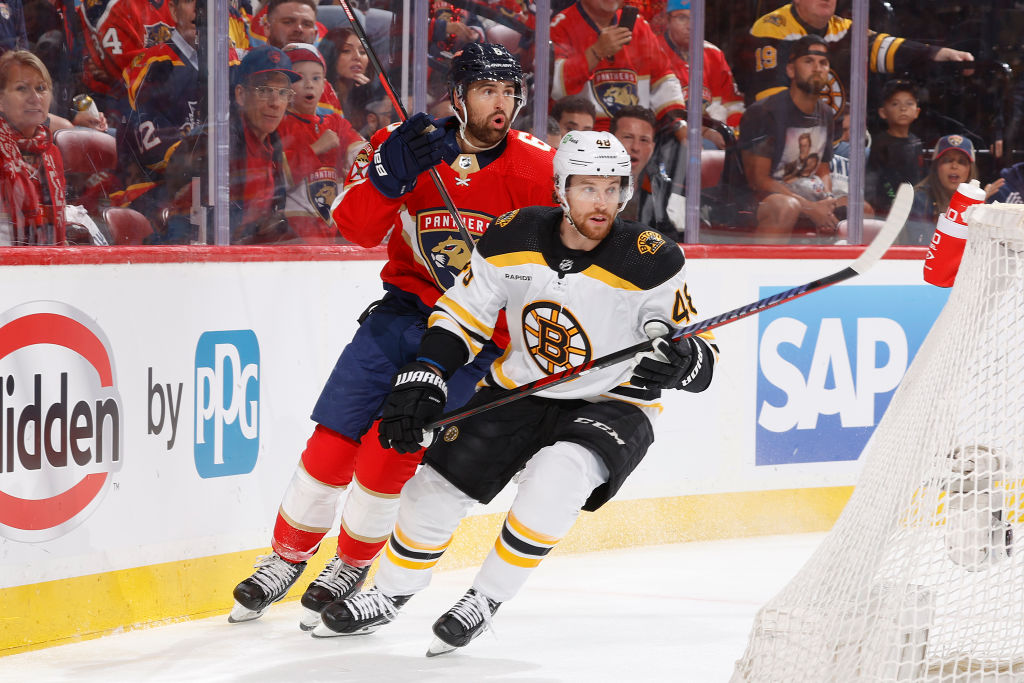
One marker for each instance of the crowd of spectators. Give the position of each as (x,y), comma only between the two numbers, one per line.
(305,99)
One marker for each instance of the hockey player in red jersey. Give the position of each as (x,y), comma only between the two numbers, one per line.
(316,146)
(488,169)
(603,284)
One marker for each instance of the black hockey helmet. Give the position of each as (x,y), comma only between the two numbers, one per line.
(485,62)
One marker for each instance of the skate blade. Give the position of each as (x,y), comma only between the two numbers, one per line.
(321,631)
(439,647)
(240,613)
(309,620)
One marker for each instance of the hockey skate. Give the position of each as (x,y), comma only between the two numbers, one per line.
(360,614)
(467,619)
(274,576)
(337,581)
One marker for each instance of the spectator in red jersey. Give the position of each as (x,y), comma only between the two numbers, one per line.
(31,169)
(612,65)
(722,101)
(316,146)
(262,93)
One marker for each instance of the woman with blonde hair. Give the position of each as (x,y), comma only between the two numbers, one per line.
(31,169)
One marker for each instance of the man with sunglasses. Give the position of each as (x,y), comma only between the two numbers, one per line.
(261,95)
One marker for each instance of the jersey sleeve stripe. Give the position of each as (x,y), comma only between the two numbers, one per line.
(445,320)
(500,377)
(465,318)
(610,279)
(516,258)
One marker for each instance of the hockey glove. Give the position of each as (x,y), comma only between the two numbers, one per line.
(411,149)
(417,398)
(669,364)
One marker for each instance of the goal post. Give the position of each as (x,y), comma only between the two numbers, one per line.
(920,578)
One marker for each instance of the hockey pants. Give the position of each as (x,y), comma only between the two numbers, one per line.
(553,487)
(329,464)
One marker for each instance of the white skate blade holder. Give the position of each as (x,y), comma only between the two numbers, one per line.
(439,647)
(309,619)
(321,631)
(240,614)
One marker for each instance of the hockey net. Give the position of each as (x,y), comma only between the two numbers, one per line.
(919,579)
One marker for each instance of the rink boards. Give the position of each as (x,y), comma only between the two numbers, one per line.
(152,412)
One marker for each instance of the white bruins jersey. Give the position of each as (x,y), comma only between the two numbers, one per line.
(566,307)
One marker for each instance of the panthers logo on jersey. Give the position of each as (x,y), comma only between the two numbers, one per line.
(442,249)
(554,337)
(615,89)
(322,187)
(157,34)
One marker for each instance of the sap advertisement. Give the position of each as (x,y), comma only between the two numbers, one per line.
(828,364)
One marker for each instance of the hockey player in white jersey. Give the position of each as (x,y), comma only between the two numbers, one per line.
(576,283)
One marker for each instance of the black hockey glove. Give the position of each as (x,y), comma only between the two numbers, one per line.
(411,149)
(669,365)
(417,398)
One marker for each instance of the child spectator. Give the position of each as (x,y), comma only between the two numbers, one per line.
(952,164)
(897,154)
(316,146)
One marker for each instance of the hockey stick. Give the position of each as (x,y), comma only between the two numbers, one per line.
(883,240)
(400,108)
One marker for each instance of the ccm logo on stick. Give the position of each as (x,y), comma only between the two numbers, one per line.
(227,403)
(60,420)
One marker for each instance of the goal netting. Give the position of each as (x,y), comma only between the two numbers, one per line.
(921,578)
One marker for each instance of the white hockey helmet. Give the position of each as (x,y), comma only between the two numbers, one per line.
(589,152)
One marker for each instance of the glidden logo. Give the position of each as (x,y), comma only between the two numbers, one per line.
(60,420)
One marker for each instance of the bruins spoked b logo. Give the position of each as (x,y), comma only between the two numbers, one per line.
(555,338)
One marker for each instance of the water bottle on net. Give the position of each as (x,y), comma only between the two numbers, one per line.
(947,247)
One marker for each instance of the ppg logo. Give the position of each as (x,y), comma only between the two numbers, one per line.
(829,363)
(227,404)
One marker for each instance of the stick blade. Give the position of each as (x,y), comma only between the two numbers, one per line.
(898,214)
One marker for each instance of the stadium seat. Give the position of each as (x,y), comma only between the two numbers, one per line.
(85,150)
(126,226)
(90,165)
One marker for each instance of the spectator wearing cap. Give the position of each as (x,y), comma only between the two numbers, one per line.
(787,145)
(262,92)
(315,145)
(952,164)
(722,101)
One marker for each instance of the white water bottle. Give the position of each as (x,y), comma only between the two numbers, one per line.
(947,248)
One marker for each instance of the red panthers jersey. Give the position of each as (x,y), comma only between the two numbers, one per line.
(115,31)
(638,74)
(313,179)
(426,252)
